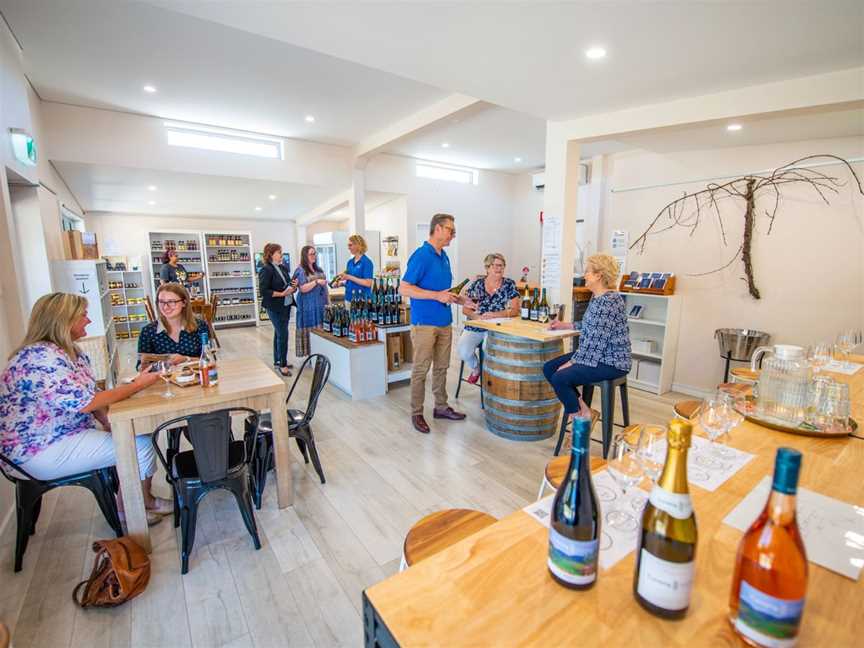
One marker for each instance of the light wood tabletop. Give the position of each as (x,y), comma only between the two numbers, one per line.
(493,588)
(518,327)
(246,382)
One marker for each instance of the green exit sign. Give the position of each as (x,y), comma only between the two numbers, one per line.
(23,146)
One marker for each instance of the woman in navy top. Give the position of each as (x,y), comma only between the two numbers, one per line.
(176,331)
(311,298)
(494,296)
(358,274)
(604,341)
(277,297)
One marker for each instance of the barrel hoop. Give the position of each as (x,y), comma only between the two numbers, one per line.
(522,417)
(513,363)
(493,428)
(519,351)
(514,376)
(520,403)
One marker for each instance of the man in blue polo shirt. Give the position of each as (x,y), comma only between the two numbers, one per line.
(427,282)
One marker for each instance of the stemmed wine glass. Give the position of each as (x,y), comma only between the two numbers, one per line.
(819,355)
(625,469)
(166,370)
(651,455)
(718,417)
(847,340)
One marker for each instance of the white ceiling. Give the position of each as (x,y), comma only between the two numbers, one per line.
(529,56)
(484,136)
(102,52)
(120,189)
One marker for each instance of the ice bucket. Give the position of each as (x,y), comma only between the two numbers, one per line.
(739,344)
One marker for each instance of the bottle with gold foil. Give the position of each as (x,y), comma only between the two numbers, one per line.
(666,553)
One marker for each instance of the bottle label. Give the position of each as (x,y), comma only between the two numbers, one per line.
(212,375)
(663,583)
(677,505)
(767,620)
(525,313)
(573,561)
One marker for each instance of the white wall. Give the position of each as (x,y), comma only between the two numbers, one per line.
(483,212)
(127,234)
(391,219)
(26,206)
(526,230)
(809,270)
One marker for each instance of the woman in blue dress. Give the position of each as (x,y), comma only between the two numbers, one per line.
(312,297)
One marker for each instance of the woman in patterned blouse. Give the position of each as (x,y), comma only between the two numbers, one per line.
(49,405)
(495,296)
(604,341)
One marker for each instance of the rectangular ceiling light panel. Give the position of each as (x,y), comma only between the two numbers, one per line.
(223,140)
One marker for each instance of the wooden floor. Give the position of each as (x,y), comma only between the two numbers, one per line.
(303,587)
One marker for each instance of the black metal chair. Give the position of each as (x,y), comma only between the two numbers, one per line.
(215,461)
(479,383)
(102,482)
(299,427)
(607,409)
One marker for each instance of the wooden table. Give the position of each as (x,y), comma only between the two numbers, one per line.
(520,404)
(493,588)
(244,382)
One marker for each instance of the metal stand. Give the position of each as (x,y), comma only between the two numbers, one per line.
(729,359)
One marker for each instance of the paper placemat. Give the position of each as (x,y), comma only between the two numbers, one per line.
(833,531)
(846,368)
(615,543)
(705,468)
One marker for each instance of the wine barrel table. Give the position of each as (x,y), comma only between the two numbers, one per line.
(520,403)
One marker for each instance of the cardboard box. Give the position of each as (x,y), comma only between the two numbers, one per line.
(80,245)
(395,356)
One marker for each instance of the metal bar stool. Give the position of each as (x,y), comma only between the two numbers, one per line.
(556,469)
(607,408)
(479,383)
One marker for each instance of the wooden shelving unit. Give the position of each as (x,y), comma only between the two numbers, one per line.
(653,370)
(229,262)
(191,259)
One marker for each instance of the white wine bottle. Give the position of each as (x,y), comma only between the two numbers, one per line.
(535,307)
(525,311)
(666,553)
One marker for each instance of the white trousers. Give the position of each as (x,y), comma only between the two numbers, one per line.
(468,343)
(85,451)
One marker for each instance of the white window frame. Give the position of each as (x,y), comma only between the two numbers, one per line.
(224,140)
(447,172)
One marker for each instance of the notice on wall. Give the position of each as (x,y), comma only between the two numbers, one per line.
(550,260)
(619,244)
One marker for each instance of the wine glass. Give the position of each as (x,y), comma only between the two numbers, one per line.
(626,471)
(166,370)
(554,312)
(846,341)
(718,417)
(819,355)
(651,450)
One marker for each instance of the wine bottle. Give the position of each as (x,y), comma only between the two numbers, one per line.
(574,529)
(458,288)
(543,310)
(398,296)
(207,363)
(326,321)
(525,311)
(770,581)
(534,313)
(666,550)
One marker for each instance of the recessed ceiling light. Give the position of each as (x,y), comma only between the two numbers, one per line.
(151,188)
(151,203)
(310,119)
(595,53)
(257,209)
(734,127)
(149,88)
(517,159)
(272,196)
(445,145)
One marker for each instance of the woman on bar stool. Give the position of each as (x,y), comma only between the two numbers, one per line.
(495,296)
(49,403)
(604,341)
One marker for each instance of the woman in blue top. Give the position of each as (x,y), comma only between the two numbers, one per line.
(494,296)
(312,296)
(604,341)
(358,274)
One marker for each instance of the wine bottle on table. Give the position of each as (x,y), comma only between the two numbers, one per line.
(574,529)
(457,289)
(770,581)
(535,307)
(525,310)
(543,309)
(666,549)
(207,363)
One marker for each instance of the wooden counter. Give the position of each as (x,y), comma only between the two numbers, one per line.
(360,370)
(493,588)
(517,327)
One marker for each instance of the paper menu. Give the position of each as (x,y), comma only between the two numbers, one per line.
(841,367)
(833,531)
(705,468)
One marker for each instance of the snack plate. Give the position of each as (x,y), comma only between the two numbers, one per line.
(194,381)
(802,429)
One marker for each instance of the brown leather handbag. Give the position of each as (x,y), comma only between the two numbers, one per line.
(121,571)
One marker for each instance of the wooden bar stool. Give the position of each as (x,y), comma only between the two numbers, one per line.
(744,375)
(440,530)
(686,409)
(556,468)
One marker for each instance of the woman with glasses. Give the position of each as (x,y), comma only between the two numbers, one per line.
(494,296)
(176,331)
(51,409)
(312,297)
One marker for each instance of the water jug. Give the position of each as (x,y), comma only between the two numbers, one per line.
(783,383)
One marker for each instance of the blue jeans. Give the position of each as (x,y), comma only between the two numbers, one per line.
(566,381)
(280,319)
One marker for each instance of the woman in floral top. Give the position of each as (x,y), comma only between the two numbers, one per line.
(49,405)
(604,341)
(495,296)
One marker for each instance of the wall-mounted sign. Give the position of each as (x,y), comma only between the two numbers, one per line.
(23,146)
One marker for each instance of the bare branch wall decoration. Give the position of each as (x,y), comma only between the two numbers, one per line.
(704,203)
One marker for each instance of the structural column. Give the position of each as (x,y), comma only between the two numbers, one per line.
(357,199)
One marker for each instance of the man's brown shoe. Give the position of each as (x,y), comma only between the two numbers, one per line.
(420,423)
(447,413)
